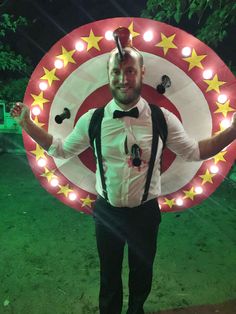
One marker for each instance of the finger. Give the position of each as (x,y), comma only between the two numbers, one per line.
(15,107)
(19,104)
(15,111)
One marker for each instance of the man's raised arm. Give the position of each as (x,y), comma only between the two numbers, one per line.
(21,113)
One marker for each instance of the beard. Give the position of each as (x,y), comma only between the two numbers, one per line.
(126,98)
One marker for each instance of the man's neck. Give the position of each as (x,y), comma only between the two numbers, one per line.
(127,106)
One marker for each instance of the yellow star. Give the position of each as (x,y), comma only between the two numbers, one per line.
(49,76)
(132,32)
(64,189)
(38,152)
(92,41)
(224,108)
(214,84)
(219,157)
(166,43)
(169,202)
(87,201)
(190,194)
(207,177)
(36,121)
(66,56)
(195,60)
(39,100)
(49,174)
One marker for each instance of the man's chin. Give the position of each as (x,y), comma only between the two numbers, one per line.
(126,101)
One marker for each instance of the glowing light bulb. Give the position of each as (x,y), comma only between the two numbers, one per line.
(214,169)
(148,36)
(42,162)
(109,35)
(186,51)
(222,98)
(207,74)
(79,46)
(36,111)
(198,189)
(225,123)
(58,64)
(179,201)
(43,86)
(72,196)
(54,182)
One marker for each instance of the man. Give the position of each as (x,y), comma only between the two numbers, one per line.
(120,215)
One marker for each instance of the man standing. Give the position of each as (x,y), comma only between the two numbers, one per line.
(122,214)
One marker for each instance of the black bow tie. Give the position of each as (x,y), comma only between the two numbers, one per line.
(131,113)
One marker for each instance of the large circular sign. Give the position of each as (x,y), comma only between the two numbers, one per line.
(73,75)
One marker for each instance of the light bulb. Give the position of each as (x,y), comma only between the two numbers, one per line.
(79,46)
(222,98)
(43,86)
(186,51)
(148,36)
(109,35)
(214,169)
(58,64)
(198,189)
(72,196)
(207,74)
(42,162)
(36,111)
(179,201)
(54,182)
(225,123)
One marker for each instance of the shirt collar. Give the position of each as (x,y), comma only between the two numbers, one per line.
(112,106)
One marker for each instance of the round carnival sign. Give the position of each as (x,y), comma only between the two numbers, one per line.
(73,75)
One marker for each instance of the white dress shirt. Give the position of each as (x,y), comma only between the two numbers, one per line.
(125,183)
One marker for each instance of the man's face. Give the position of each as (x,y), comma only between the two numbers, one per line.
(125,79)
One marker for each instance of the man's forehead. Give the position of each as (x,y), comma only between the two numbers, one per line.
(130,55)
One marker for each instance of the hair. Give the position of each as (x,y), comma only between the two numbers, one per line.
(127,53)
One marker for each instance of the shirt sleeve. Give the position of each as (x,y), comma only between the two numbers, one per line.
(178,140)
(76,142)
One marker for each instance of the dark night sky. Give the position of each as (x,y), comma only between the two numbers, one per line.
(50,20)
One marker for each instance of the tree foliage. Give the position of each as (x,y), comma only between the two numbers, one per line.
(14,68)
(213,17)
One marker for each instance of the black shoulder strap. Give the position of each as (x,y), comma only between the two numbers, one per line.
(159,128)
(95,124)
(161,122)
(95,136)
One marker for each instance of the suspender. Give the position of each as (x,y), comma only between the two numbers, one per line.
(95,136)
(155,139)
(159,129)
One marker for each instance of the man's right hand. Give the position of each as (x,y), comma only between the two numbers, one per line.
(21,113)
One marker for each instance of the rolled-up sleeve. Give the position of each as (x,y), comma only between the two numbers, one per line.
(178,140)
(76,142)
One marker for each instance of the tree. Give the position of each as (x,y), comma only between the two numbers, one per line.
(14,68)
(213,17)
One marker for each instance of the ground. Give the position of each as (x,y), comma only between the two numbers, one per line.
(49,262)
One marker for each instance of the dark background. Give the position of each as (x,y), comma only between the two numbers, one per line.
(50,20)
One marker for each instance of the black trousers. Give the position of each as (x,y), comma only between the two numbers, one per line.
(116,226)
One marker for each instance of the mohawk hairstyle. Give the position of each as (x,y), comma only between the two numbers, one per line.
(141,62)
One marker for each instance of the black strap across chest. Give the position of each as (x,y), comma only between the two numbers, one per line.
(159,129)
